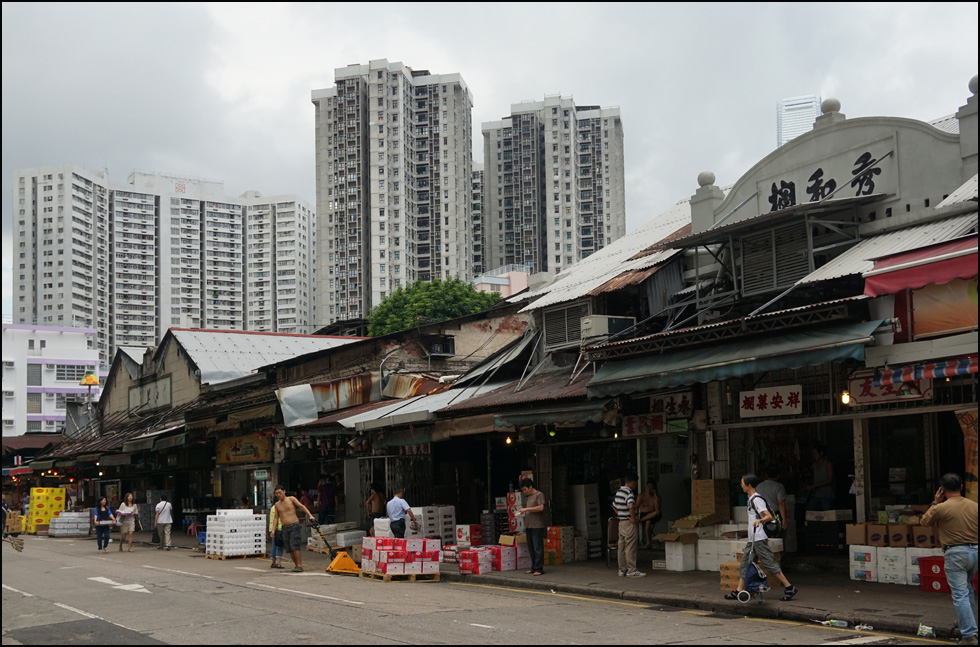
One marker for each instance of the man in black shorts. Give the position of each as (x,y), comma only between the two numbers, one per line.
(292,533)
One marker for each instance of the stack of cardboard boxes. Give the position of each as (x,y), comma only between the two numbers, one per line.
(889,553)
(329,532)
(71,524)
(519,543)
(515,522)
(559,545)
(469,535)
(394,556)
(476,561)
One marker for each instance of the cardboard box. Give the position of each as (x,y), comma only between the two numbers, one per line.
(429,568)
(699,520)
(899,535)
(924,537)
(511,540)
(659,565)
(856,534)
(829,515)
(677,537)
(877,534)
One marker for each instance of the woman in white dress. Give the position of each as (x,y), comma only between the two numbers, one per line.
(126,517)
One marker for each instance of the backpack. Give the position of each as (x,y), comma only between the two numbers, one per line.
(773,527)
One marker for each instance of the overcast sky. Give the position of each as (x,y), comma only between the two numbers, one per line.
(223,91)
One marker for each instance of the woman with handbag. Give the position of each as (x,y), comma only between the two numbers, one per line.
(126,514)
(104,520)
(276,548)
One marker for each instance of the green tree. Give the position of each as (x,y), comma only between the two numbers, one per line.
(425,302)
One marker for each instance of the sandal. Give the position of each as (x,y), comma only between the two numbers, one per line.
(529,571)
(731,595)
(789,593)
(536,573)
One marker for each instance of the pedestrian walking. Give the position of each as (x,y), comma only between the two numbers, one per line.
(275,530)
(955,519)
(624,506)
(534,525)
(126,516)
(397,508)
(758,542)
(285,511)
(164,521)
(104,520)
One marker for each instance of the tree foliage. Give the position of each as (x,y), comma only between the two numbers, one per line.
(425,302)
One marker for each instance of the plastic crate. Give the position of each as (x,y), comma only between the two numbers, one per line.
(933,566)
(934,584)
(202,537)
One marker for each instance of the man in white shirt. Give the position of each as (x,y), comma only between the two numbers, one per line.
(397,509)
(164,521)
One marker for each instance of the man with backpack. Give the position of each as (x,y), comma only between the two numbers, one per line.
(760,516)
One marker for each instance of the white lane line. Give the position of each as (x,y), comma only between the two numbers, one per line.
(312,595)
(90,615)
(10,588)
(249,568)
(863,640)
(473,624)
(139,588)
(170,570)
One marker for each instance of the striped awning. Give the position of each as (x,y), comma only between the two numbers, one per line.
(947,368)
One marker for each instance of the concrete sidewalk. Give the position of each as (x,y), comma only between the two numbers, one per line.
(824,595)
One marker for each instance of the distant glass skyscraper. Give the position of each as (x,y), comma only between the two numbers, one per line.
(795,116)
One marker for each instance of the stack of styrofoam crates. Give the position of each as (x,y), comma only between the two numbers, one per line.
(382,527)
(585,507)
(71,524)
(580,550)
(912,556)
(712,552)
(394,556)
(350,537)
(863,563)
(329,532)
(447,523)
(892,565)
(430,523)
(232,533)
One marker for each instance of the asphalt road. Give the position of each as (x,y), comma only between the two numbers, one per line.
(62,591)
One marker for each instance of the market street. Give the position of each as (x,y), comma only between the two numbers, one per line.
(63,591)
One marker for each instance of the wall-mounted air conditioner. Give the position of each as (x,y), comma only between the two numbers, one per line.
(49,367)
(604,326)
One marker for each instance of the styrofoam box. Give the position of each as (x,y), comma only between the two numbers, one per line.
(350,537)
(912,575)
(709,562)
(895,557)
(740,514)
(863,572)
(681,557)
(888,576)
(912,556)
(867,555)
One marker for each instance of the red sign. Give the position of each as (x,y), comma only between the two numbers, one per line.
(863,391)
(774,401)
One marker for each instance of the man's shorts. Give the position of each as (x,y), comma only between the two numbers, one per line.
(292,537)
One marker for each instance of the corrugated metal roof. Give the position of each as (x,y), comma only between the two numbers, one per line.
(949,124)
(540,388)
(966,192)
(860,258)
(134,353)
(223,355)
(620,257)
(417,409)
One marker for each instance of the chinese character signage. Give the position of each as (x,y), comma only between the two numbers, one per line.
(673,405)
(861,171)
(644,425)
(863,391)
(774,401)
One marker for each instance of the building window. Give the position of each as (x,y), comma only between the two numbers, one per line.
(33,375)
(33,403)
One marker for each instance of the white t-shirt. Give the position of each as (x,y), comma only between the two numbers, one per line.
(397,508)
(756,534)
(165,509)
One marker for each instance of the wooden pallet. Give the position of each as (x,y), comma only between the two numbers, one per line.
(213,556)
(317,549)
(408,577)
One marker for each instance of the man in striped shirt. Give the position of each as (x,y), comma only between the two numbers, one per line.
(624,507)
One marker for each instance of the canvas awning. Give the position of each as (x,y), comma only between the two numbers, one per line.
(170,441)
(17,471)
(932,370)
(754,355)
(572,413)
(37,466)
(938,264)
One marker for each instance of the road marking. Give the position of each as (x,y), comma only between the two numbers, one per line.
(473,624)
(138,588)
(170,570)
(249,568)
(90,615)
(10,588)
(312,595)
(557,595)
(863,640)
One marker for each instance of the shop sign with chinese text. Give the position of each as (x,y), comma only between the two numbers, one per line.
(863,391)
(774,401)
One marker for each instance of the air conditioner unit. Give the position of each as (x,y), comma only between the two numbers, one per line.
(49,367)
(604,326)
(8,394)
(8,364)
(445,347)
(8,423)
(49,396)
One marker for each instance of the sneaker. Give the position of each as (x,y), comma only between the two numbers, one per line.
(622,573)
(298,569)
(636,574)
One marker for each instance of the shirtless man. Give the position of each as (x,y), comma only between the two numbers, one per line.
(649,508)
(292,533)
(374,505)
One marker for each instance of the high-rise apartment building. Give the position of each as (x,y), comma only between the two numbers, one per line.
(476,218)
(795,116)
(554,184)
(393,172)
(158,251)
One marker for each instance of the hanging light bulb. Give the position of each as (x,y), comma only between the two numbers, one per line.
(845,398)
(508,441)
(551,433)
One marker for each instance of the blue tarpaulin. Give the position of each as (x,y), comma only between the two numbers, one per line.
(755,355)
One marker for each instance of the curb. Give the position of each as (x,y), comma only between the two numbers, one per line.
(735,609)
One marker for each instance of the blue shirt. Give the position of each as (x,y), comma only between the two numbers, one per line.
(397,508)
